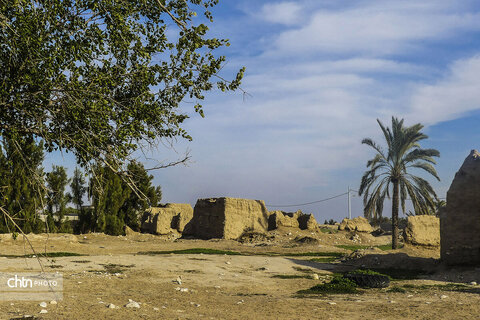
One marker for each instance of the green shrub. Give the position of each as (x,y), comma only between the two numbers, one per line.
(338,285)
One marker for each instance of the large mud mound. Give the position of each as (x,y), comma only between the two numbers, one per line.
(460,220)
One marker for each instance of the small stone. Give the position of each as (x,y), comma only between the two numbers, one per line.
(43,311)
(391,301)
(156,309)
(53,302)
(43,304)
(184,290)
(217,287)
(473,283)
(164,307)
(410,295)
(332,303)
(132,304)
(427,302)
(315,276)
(228,262)
(443,296)
(111,306)
(197,305)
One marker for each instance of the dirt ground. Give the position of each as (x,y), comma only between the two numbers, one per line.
(254,285)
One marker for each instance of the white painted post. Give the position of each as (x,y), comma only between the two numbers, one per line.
(349,205)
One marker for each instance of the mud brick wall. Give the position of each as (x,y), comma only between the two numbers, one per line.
(227,218)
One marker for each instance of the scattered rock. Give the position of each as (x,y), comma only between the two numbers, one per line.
(251,237)
(157,309)
(112,306)
(178,280)
(443,296)
(132,304)
(43,304)
(43,311)
(473,283)
(332,303)
(315,276)
(306,240)
(53,302)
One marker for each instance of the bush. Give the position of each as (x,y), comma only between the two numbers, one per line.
(338,285)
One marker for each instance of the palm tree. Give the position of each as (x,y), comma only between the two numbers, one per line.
(389,169)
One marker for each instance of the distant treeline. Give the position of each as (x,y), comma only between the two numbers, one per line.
(27,192)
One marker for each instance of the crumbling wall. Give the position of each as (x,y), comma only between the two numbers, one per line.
(227,218)
(423,230)
(296,219)
(169,218)
(359,224)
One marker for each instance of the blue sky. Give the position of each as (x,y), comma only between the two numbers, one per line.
(319,74)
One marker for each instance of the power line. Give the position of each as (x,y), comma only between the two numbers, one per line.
(304,204)
(319,201)
(405,199)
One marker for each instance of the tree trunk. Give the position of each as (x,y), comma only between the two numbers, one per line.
(395,201)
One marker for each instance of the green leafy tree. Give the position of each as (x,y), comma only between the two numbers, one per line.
(57,180)
(390,169)
(107,195)
(116,203)
(100,78)
(136,204)
(21,183)
(78,188)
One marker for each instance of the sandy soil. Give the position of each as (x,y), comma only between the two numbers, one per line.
(231,286)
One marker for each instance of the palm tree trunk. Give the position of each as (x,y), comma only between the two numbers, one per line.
(395,201)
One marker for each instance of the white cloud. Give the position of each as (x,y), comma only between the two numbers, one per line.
(287,13)
(375,29)
(451,97)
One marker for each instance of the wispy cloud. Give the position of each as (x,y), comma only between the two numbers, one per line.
(287,13)
(457,93)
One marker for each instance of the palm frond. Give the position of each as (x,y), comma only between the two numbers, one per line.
(422,154)
(427,167)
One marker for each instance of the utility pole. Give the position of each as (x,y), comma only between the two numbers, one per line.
(349,204)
